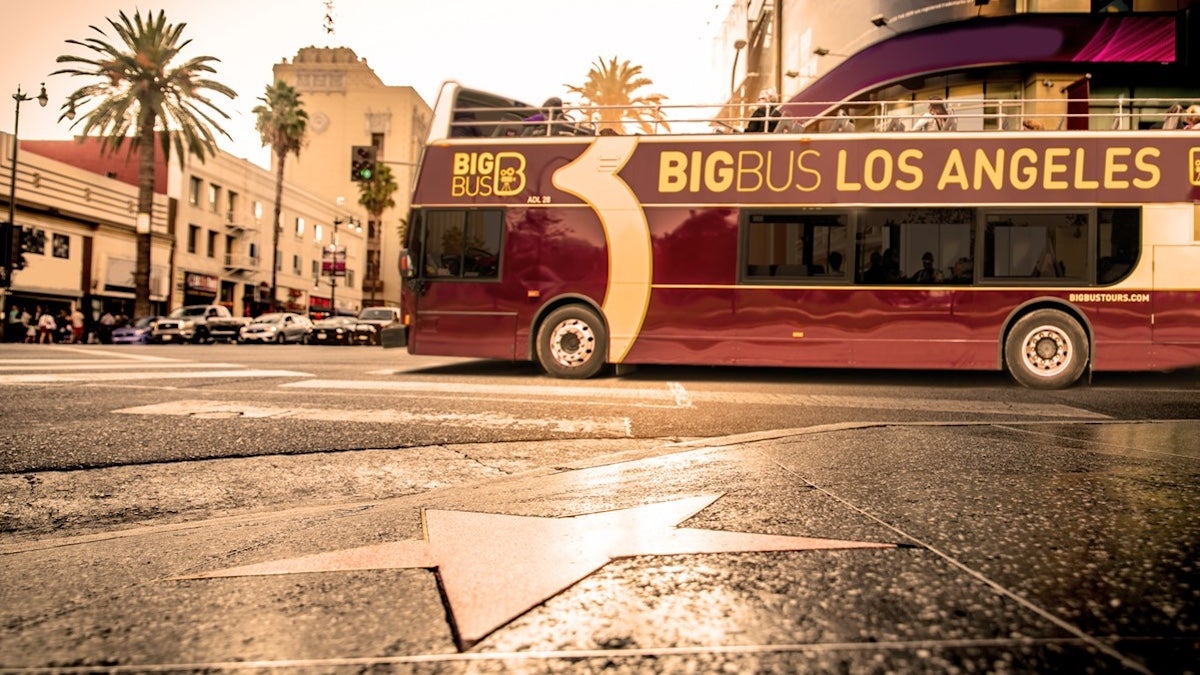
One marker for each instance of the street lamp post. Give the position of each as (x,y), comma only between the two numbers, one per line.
(20,98)
(333,255)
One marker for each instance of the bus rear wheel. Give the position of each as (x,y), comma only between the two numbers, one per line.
(572,343)
(1046,349)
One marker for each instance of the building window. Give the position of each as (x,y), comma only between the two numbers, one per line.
(193,239)
(194,191)
(212,244)
(296,264)
(61,246)
(253,250)
(377,141)
(299,227)
(214,197)
(349,278)
(318,233)
(231,200)
(257,210)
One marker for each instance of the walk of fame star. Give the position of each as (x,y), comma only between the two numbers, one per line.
(496,567)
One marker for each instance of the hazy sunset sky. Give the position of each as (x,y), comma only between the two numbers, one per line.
(526,49)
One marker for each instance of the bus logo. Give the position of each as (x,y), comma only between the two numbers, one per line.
(487,174)
(1194,163)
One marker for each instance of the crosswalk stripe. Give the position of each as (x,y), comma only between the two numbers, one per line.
(668,397)
(53,378)
(91,365)
(201,409)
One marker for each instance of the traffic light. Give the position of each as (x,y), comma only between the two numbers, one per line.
(12,246)
(362,162)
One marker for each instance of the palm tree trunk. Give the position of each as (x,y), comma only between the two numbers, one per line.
(141,271)
(277,228)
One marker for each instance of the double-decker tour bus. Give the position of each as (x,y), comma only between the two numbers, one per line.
(1050,254)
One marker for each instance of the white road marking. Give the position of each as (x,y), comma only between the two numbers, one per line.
(682,398)
(506,392)
(93,364)
(200,409)
(676,396)
(93,351)
(966,406)
(53,378)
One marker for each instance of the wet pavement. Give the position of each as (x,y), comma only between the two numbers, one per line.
(1029,547)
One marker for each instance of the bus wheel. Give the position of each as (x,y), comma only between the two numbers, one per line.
(1046,349)
(572,342)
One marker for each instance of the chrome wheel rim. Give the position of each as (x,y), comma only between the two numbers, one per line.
(572,343)
(1047,351)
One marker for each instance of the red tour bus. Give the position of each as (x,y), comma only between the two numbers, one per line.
(1049,254)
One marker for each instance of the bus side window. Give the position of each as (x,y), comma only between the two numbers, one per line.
(1119,234)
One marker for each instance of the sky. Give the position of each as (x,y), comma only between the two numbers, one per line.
(526,49)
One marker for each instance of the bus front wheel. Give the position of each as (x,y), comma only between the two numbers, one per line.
(572,342)
(1046,349)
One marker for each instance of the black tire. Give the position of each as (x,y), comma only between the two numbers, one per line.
(1046,349)
(200,337)
(280,338)
(572,343)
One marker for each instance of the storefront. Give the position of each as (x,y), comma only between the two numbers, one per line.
(199,289)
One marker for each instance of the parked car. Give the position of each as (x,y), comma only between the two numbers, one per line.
(137,333)
(279,327)
(340,330)
(380,318)
(197,323)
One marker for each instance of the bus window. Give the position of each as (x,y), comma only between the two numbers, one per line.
(917,245)
(791,246)
(462,244)
(1119,232)
(1043,246)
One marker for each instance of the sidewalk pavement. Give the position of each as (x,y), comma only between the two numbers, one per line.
(1029,547)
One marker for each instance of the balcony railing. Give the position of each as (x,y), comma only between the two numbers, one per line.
(240,223)
(240,263)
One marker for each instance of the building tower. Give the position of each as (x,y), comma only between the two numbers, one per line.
(349,105)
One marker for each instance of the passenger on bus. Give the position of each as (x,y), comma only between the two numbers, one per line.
(891,267)
(766,116)
(928,274)
(936,118)
(551,110)
(835,264)
(1192,117)
(875,274)
(963,271)
(1174,118)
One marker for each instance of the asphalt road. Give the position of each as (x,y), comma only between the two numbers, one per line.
(93,406)
(454,515)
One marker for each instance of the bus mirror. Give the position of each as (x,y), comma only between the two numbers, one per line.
(407,269)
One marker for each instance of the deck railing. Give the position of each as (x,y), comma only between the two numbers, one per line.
(962,115)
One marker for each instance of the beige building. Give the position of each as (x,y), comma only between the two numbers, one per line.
(349,105)
(224,242)
(211,235)
(82,245)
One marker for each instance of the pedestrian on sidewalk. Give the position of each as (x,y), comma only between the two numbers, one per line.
(47,327)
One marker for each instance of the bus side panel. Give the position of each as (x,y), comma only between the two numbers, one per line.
(696,248)
(550,253)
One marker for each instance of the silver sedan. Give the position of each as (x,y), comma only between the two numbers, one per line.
(278,327)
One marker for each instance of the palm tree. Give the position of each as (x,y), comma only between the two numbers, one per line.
(612,88)
(375,196)
(138,93)
(282,124)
